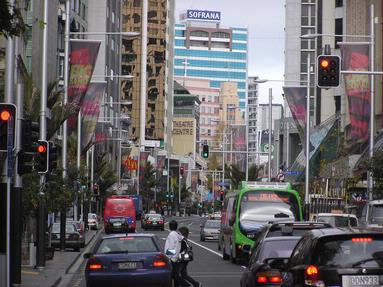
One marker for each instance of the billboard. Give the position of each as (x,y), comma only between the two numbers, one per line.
(184,133)
(203,15)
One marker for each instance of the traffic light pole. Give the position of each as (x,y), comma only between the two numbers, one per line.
(43,132)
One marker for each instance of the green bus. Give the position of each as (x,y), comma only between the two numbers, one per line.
(247,210)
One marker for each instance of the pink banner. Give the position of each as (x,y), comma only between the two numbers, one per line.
(90,111)
(143,160)
(356,58)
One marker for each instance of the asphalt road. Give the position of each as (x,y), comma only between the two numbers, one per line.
(208,267)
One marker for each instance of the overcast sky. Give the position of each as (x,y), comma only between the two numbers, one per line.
(265,22)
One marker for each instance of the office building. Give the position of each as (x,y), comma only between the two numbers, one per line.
(252,98)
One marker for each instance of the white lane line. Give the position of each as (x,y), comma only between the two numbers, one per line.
(204,247)
(190,224)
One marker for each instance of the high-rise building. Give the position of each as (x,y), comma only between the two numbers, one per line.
(159,58)
(205,50)
(252,98)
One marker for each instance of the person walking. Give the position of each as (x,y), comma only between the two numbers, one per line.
(186,250)
(172,250)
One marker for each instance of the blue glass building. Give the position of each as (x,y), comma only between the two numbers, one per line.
(205,50)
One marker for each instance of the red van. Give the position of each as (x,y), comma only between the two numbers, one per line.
(119,214)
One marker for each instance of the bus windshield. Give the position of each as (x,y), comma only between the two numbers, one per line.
(269,205)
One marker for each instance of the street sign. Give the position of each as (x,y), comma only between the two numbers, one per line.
(292,172)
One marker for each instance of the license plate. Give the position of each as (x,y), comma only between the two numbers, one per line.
(117,224)
(154,223)
(361,280)
(128,265)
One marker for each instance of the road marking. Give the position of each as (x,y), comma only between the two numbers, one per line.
(206,248)
(190,224)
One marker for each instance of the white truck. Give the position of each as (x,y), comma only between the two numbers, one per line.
(372,215)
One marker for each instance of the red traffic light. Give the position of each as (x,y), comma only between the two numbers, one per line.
(182,170)
(5,115)
(324,63)
(41,149)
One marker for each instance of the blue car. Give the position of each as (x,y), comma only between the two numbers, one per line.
(128,260)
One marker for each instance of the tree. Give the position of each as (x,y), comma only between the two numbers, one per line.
(11,20)
(148,183)
(254,171)
(375,166)
(235,175)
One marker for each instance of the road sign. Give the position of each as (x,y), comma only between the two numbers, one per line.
(281,176)
(292,172)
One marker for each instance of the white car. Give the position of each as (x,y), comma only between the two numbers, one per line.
(92,221)
(337,219)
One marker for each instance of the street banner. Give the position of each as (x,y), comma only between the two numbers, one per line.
(143,159)
(356,58)
(83,55)
(296,98)
(239,144)
(90,111)
(185,166)
(160,164)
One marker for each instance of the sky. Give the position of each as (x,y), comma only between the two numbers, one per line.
(265,20)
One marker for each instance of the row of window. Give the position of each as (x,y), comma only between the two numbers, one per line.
(210,74)
(209,110)
(217,35)
(211,64)
(211,54)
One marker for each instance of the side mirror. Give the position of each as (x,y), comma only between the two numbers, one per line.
(87,255)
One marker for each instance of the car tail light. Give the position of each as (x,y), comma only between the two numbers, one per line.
(362,239)
(312,276)
(148,222)
(270,277)
(93,264)
(160,261)
(160,222)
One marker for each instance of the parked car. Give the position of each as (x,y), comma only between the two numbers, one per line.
(335,257)
(92,221)
(153,220)
(337,219)
(73,239)
(80,229)
(128,260)
(269,248)
(210,229)
(119,214)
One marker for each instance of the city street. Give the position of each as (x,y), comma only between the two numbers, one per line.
(208,266)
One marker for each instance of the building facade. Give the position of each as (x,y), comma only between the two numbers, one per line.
(252,102)
(158,87)
(204,49)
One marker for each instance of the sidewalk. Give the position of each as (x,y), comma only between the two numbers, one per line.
(54,269)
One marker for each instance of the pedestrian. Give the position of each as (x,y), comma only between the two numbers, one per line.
(172,250)
(186,250)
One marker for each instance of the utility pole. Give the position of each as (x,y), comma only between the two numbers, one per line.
(270,131)
(43,132)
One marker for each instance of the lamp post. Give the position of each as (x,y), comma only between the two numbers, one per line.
(371,73)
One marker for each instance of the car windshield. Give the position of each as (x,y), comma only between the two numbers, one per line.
(128,244)
(213,224)
(277,248)
(376,215)
(69,228)
(264,206)
(338,221)
(351,251)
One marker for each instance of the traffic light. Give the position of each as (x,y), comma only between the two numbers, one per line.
(205,151)
(182,170)
(7,125)
(42,157)
(328,71)
(221,195)
(29,138)
(52,156)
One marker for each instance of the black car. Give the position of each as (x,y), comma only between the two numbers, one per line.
(271,247)
(335,257)
(73,239)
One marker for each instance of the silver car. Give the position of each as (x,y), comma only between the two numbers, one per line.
(210,230)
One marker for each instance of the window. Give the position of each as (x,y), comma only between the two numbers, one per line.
(199,34)
(338,3)
(199,43)
(112,44)
(220,35)
(338,31)
(112,17)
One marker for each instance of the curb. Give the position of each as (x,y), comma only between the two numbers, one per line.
(57,282)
